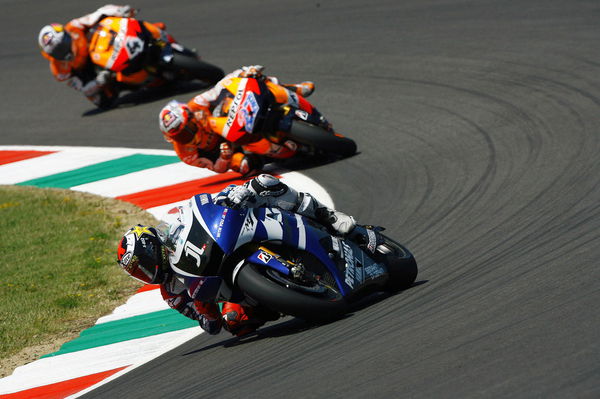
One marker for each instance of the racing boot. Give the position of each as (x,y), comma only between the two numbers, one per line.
(246,164)
(337,221)
(304,89)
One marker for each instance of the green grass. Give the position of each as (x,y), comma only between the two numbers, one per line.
(58,270)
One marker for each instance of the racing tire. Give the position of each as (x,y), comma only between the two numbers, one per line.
(287,301)
(401,264)
(196,69)
(322,139)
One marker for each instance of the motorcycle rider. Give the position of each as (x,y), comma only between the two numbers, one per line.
(66,48)
(192,131)
(199,147)
(150,254)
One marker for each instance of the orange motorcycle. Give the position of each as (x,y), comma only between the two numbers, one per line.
(142,54)
(258,106)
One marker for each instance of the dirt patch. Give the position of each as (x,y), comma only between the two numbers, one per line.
(31,354)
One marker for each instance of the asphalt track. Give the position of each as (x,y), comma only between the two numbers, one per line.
(478,125)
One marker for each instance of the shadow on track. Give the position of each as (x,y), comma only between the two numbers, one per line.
(308,162)
(295,326)
(148,95)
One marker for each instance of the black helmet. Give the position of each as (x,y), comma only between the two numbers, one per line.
(142,255)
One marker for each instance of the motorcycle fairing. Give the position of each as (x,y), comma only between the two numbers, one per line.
(359,268)
(231,228)
(245,107)
(117,43)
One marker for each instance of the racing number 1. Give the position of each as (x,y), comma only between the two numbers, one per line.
(193,251)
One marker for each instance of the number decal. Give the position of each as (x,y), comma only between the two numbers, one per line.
(134,46)
(193,251)
(248,112)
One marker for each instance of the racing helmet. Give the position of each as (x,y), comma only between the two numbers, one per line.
(177,123)
(56,42)
(141,255)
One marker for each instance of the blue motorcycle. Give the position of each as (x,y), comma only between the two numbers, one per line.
(282,262)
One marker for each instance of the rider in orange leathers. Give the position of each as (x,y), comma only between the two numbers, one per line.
(67,49)
(197,138)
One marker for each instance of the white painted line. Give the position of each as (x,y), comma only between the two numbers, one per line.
(33,168)
(145,180)
(132,352)
(121,151)
(65,367)
(139,304)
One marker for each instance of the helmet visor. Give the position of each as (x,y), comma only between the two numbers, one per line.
(140,272)
(62,51)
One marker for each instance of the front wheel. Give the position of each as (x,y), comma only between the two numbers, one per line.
(270,290)
(322,139)
(401,264)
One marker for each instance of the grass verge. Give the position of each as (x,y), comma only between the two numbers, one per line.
(58,271)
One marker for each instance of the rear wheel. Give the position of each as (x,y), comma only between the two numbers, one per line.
(315,299)
(194,68)
(322,139)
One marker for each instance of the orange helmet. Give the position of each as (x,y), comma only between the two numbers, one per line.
(56,42)
(177,123)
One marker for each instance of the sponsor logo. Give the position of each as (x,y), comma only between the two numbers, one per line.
(234,106)
(248,112)
(351,273)
(293,99)
(126,259)
(47,38)
(117,45)
(204,199)
(170,120)
(301,114)
(139,230)
(274,193)
(374,270)
(222,222)
(372,240)
(198,287)
(249,222)
(335,244)
(264,257)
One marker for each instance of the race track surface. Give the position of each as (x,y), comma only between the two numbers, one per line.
(478,128)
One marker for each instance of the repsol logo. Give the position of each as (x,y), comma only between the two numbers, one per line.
(234,106)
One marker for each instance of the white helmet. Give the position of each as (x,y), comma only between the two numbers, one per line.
(177,123)
(56,42)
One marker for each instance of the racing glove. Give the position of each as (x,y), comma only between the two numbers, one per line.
(252,71)
(238,196)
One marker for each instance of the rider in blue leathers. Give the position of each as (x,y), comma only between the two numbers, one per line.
(152,255)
